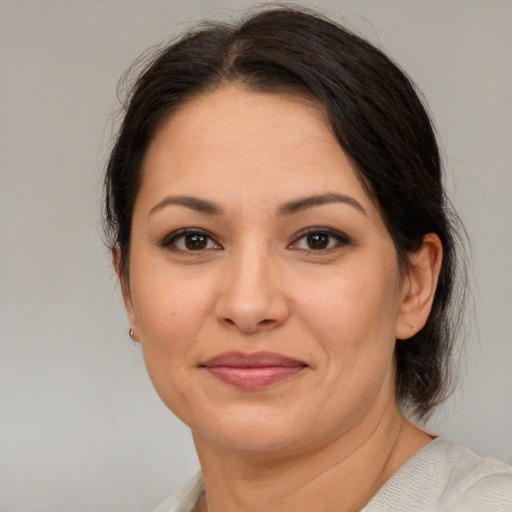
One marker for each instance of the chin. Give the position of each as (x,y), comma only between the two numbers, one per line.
(255,431)
(255,439)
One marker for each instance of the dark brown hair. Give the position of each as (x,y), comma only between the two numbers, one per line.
(376,115)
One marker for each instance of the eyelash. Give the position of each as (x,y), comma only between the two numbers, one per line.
(170,241)
(339,239)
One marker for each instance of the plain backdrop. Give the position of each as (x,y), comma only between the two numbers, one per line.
(81,428)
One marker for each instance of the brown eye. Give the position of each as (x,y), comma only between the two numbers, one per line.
(190,240)
(318,241)
(196,242)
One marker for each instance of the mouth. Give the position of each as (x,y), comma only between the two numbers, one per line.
(253,371)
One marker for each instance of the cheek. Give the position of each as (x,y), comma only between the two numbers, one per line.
(168,302)
(170,318)
(352,315)
(170,311)
(350,301)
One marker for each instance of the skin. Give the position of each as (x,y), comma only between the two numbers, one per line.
(332,434)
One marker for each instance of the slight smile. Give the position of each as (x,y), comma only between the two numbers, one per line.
(252,371)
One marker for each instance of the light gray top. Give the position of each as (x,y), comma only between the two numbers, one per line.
(443,476)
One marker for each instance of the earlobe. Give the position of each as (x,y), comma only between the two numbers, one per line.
(126,291)
(419,287)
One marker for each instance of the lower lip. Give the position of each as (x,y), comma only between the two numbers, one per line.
(253,378)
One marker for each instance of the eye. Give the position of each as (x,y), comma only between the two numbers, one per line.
(319,239)
(190,240)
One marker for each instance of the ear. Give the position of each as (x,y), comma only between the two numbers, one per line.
(125,288)
(419,287)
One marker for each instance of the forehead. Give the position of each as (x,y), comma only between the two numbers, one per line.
(237,140)
(235,116)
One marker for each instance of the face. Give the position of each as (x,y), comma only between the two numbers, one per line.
(263,285)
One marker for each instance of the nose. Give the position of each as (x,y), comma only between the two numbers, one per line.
(252,293)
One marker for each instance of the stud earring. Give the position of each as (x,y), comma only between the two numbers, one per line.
(131,334)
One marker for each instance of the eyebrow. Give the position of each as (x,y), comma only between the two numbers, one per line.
(304,203)
(289,208)
(193,203)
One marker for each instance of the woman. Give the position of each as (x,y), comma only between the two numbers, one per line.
(286,255)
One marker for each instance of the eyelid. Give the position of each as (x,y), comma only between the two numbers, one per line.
(341,237)
(168,240)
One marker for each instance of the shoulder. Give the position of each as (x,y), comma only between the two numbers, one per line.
(185,499)
(447,476)
(476,483)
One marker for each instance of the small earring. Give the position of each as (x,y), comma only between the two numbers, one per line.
(131,334)
(413,328)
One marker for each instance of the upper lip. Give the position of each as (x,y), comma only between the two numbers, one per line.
(255,360)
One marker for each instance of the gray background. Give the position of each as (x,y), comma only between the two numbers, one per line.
(81,428)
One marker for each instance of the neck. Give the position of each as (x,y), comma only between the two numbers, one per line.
(342,475)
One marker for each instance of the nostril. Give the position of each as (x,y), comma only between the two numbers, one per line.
(248,326)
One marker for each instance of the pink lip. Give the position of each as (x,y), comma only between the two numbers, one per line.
(252,371)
